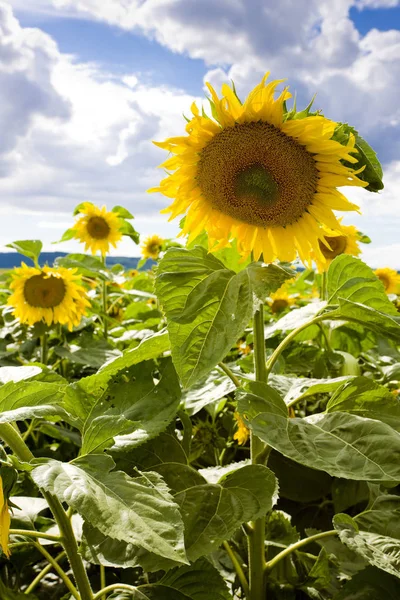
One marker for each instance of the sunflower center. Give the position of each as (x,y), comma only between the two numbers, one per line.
(154,248)
(44,292)
(257,174)
(337,243)
(98,228)
(279,305)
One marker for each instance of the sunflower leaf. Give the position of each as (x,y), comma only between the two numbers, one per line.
(139,510)
(29,248)
(122,212)
(207,308)
(342,444)
(128,230)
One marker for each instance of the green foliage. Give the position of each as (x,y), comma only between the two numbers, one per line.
(29,248)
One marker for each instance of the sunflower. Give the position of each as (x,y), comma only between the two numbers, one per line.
(280,301)
(5,521)
(152,247)
(252,174)
(48,294)
(242,434)
(390,279)
(333,245)
(98,229)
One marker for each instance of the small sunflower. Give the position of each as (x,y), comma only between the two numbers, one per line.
(243,347)
(242,434)
(280,301)
(390,279)
(252,174)
(98,229)
(152,247)
(5,520)
(52,295)
(333,245)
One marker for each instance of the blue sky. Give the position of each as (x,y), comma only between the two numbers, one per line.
(87,85)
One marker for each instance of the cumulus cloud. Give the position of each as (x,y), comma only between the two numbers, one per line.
(100,148)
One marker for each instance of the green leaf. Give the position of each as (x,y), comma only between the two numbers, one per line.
(165,448)
(213,512)
(266,279)
(366,157)
(149,348)
(134,407)
(90,266)
(199,581)
(101,549)
(207,308)
(138,510)
(303,388)
(350,279)
(127,229)
(362,396)
(370,584)
(379,549)
(29,399)
(29,248)
(122,212)
(69,234)
(341,444)
(206,391)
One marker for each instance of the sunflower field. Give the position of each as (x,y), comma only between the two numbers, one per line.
(224,422)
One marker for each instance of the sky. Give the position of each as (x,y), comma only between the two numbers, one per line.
(86,85)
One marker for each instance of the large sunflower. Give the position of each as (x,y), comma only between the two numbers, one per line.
(253,174)
(333,245)
(390,279)
(98,228)
(48,294)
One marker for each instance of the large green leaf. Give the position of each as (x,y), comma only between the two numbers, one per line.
(101,549)
(370,584)
(374,540)
(213,512)
(295,318)
(207,308)
(342,444)
(29,399)
(138,510)
(362,396)
(135,407)
(356,293)
(165,448)
(303,387)
(199,581)
(149,348)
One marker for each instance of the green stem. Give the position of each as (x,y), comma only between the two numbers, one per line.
(43,348)
(116,586)
(37,535)
(105,304)
(43,573)
(256,541)
(286,341)
(230,374)
(293,547)
(238,568)
(323,286)
(68,583)
(13,439)
(103,582)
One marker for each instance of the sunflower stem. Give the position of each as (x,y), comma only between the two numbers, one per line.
(256,541)
(13,439)
(44,348)
(105,303)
